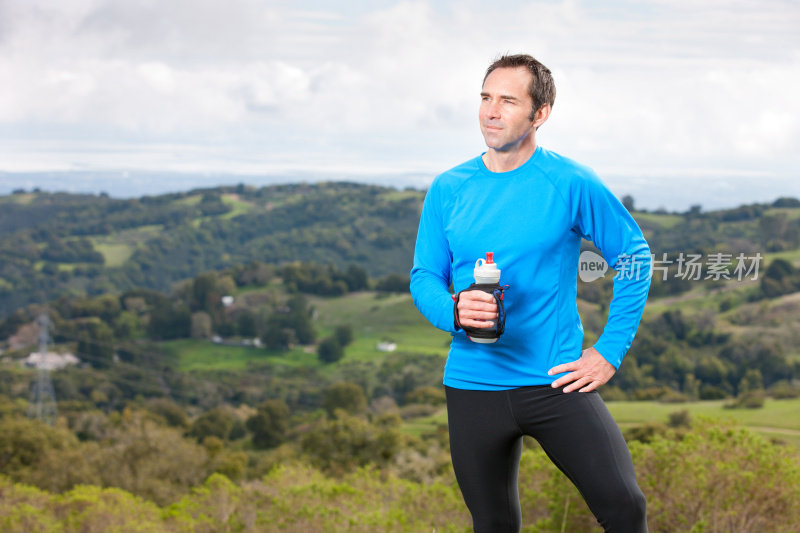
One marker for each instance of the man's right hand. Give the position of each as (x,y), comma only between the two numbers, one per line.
(477,309)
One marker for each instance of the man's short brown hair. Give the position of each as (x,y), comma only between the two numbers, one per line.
(542,89)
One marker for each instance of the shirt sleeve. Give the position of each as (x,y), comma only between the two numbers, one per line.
(601,218)
(431,274)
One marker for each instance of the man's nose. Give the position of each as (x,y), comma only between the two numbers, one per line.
(493,110)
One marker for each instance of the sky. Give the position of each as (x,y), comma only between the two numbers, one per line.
(675,102)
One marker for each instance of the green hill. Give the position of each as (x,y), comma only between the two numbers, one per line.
(54,244)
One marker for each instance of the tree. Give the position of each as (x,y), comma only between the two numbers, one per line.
(627,202)
(426,395)
(300,319)
(393,283)
(780,277)
(356,278)
(247,323)
(214,423)
(277,337)
(348,397)
(786,201)
(172,413)
(96,343)
(751,381)
(170,322)
(290,324)
(269,424)
(204,293)
(201,325)
(344,334)
(329,350)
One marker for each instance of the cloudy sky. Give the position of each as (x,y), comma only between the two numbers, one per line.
(676,100)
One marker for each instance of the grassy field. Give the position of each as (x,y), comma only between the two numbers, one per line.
(238,206)
(792,213)
(376,318)
(665,221)
(701,297)
(117,248)
(198,354)
(115,254)
(778,419)
(793,256)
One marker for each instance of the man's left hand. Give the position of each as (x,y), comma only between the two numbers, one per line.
(586,374)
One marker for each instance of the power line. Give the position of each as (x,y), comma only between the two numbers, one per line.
(43,397)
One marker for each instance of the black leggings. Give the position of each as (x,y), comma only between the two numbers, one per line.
(575,430)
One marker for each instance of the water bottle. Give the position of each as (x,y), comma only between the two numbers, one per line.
(487,279)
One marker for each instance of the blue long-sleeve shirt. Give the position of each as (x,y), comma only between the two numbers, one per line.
(533,219)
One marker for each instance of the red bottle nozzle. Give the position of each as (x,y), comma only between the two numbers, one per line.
(489,256)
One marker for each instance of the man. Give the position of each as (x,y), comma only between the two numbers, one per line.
(530,207)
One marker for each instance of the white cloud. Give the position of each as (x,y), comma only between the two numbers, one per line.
(675,85)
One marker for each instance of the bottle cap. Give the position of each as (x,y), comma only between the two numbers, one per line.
(486,271)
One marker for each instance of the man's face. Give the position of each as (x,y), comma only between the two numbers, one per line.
(506,108)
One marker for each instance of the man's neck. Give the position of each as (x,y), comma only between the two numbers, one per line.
(505,161)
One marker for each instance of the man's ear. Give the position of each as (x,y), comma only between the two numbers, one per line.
(541,115)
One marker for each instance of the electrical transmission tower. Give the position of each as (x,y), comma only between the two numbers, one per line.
(43,397)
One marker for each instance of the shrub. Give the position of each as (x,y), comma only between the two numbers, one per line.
(784,390)
(748,400)
(680,419)
(347,442)
(718,478)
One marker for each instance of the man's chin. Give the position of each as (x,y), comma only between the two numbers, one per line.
(500,148)
(494,144)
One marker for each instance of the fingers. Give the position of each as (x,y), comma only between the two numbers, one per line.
(475,308)
(580,383)
(477,296)
(563,380)
(471,323)
(566,367)
(579,377)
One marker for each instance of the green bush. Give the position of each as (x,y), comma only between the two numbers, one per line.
(713,478)
(718,478)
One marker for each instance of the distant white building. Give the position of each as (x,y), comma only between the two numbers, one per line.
(50,360)
(386,346)
(227,301)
